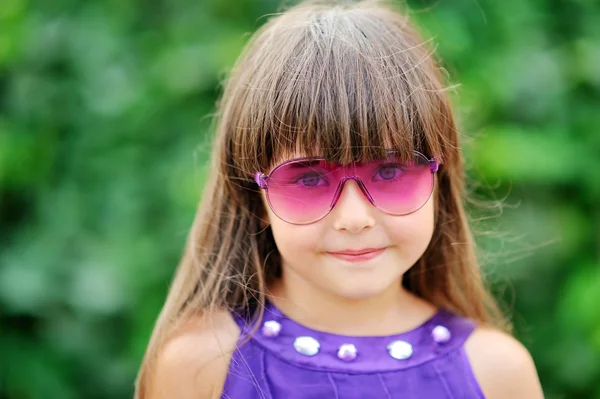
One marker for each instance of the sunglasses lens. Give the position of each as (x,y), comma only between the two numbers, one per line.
(398,188)
(302,192)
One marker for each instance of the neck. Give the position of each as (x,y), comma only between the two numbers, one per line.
(392,311)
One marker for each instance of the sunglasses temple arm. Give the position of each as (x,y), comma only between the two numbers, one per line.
(260,179)
(433,163)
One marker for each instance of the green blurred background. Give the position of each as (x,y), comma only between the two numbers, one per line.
(104,118)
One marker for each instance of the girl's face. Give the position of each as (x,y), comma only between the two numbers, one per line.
(324,258)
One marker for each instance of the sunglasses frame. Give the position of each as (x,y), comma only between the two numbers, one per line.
(262,179)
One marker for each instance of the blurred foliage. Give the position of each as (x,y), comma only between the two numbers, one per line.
(104,119)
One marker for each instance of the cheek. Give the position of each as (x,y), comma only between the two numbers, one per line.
(414,232)
(295,241)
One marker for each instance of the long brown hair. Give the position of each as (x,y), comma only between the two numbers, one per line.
(347,81)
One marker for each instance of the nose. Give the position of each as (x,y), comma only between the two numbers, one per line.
(353,212)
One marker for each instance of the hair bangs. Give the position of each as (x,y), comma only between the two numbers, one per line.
(340,87)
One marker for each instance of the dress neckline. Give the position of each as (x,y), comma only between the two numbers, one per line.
(305,347)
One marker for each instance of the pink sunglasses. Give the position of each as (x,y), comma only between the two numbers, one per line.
(305,190)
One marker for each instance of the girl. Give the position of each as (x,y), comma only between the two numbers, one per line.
(331,256)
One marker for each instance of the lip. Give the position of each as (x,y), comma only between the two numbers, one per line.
(360,255)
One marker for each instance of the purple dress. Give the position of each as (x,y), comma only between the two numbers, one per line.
(285,360)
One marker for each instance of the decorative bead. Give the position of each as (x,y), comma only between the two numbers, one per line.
(271,328)
(400,350)
(441,334)
(307,346)
(347,352)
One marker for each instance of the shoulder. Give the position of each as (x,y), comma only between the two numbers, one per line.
(502,365)
(194,362)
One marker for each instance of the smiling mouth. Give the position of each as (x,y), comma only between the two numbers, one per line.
(360,255)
